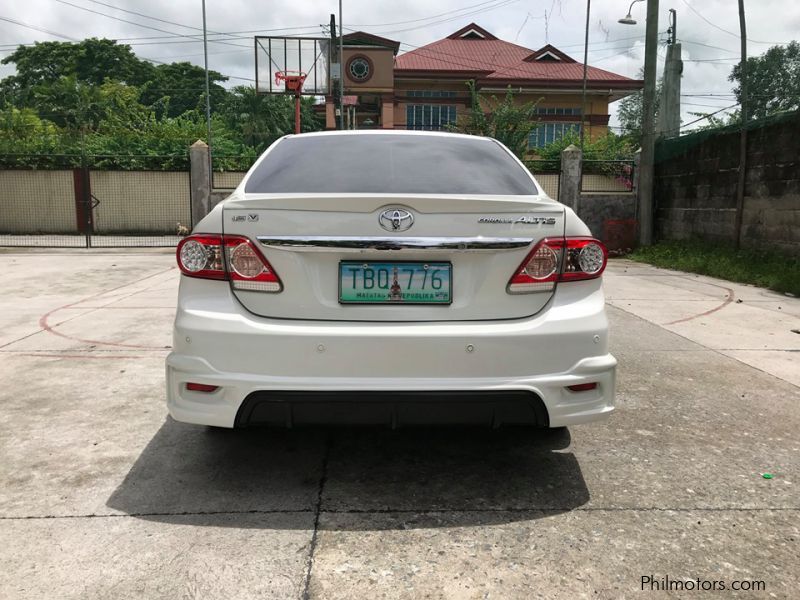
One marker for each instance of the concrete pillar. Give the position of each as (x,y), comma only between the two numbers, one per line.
(200,180)
(387,112)
(330,114)
(669,110)
(637,160)
(569,183)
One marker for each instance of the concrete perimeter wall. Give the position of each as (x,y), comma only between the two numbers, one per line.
(695,191)
(37,202)
(40,201)
(141,201)
(597,209)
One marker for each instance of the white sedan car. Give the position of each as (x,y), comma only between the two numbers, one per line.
(393,278)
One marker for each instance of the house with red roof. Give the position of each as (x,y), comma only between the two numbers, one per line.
(426,88)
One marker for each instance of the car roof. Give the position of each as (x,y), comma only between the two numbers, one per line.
(361,132)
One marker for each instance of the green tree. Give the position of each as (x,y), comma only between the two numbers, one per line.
(69,103)
(608,147)
(180,87)
(24,133)
(90,61)
(629,111)
(261,118)
(505,120)
(773,81)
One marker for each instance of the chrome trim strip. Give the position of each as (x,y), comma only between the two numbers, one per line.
(326,243)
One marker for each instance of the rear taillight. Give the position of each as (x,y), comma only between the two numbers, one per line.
(241,264)
(559,259)
(201,256)
(247,268)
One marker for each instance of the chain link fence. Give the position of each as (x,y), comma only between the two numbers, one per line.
(228,171)
(548,173)
(607,176)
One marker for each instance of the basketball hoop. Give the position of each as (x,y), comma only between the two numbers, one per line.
(293,80)
(294,83)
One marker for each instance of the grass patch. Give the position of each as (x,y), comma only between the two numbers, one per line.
(765,268)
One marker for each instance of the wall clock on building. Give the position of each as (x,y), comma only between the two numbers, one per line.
(359,68)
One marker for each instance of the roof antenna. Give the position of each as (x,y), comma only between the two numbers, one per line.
(546,28)
(603,28)
(528,16)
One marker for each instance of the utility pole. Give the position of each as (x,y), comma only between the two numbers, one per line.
(341,68)
(669,111)
(648,127)
(737,226)
(585,70)
(336,82)
(208,95)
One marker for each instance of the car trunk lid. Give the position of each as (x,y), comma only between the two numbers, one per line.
(307,237)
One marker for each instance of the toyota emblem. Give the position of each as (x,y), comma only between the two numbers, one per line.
(396,219)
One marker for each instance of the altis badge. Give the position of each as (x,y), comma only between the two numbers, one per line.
(527,220)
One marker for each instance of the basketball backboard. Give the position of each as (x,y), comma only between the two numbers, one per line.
(310,56)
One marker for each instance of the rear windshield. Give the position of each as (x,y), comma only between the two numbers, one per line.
(389,164)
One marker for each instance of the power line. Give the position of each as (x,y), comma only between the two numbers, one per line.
(102,14)
(736,35)
(704,117)
(501,4)
(228,37)
(35,28)
(225,33)
(710,60)
(152,60)
(424,18)
(133,12)
(201,54)
(684,40)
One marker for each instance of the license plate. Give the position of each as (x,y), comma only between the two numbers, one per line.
(395,282)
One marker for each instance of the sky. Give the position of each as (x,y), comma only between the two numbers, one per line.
(167,31)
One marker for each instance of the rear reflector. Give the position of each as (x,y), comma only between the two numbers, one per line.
(582,387)
(201,387)
(558,259)
(241,263)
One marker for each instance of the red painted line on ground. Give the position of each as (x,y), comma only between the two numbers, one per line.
(50,329)
(728,300)
(118,307)
(77,356)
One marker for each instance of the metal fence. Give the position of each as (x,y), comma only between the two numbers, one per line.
(548,173)
(88,201)
(610,176)
(228,171)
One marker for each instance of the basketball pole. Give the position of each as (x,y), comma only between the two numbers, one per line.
(297,110)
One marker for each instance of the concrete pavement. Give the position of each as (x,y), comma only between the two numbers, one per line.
(102,496)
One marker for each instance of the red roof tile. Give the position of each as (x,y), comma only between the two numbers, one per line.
(494,61)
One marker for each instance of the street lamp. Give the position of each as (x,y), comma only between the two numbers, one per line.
(645,212)
(628,19)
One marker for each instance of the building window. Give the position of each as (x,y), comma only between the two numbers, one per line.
(547,133)
(558,111)
(430,94)
(430,117)
(359,68)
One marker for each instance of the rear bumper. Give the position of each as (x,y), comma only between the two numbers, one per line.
(494,371)
(391,408)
